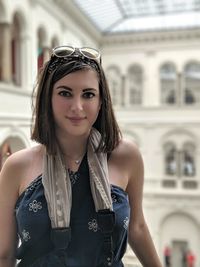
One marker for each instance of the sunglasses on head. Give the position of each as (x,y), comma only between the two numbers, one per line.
(68,51)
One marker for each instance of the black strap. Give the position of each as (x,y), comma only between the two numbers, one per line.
(106,222)
(61,237)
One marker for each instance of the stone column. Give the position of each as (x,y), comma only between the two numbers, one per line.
(151,81)
(6,60)
(127,91)
(122,90)
(46,54)
(25,61)
(180,90)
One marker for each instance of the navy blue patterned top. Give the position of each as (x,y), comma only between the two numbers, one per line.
(86,246)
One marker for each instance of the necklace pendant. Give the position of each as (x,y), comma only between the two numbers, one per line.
(77,161)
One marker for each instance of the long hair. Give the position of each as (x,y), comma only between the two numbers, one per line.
(43,125)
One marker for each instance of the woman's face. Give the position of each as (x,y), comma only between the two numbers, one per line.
(76,102)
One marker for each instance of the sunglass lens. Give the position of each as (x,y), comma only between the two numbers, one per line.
(63,51)
(90,52)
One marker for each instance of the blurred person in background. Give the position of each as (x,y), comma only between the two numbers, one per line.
(167,256)
(190,257)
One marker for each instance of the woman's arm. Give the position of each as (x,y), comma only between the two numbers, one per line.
(139,237)
(8,196)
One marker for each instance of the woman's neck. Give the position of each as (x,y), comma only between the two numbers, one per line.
(73,147)
(73,153)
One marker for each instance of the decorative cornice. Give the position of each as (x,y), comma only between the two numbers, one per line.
(15,90)
(152,37)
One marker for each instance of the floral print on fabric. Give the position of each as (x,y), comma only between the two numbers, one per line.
(34,223)
(73,176)
(34,184)
(35,206)
(25,235)
(126,223)
(93,225)
(114,198)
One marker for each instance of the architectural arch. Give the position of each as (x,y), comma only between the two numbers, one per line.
(170,158)
(12,25)
(178,132)
(14,132)
(17,30)
(191,81)
(115,83)
(5,12)
(189,156)
(43,52)
(179,159)
(168,82)
(167,62)
(11,42)
(180,231)
(21,16)
(3,17)
(135,77)
(11,140)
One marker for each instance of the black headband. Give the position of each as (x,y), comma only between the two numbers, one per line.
(56,62)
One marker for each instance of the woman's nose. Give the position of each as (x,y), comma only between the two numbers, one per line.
(76,104)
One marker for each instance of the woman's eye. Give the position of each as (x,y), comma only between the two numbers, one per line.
(65,93)
(88,95)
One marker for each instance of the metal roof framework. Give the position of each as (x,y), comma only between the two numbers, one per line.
(119,16)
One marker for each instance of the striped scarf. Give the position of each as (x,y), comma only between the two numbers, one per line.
(57,184)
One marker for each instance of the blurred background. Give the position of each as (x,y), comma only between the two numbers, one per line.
(151,55)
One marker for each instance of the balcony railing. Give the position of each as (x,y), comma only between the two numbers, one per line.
(172,184)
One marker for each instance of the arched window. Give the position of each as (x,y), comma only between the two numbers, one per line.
(170,159)
(43,51)
(188,160)
(9,146)
(2,12)
(168,81)
(1,51)
(191,92)
(135,82)
(16,50)
(5,152)
(54,42)
(180,161)
(114,81)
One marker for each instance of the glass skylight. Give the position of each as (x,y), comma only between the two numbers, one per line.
(112,16)
(164,22)
(103,13)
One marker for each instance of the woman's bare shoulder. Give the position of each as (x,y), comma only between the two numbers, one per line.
(126,151)
(21,158)
(129,157)
(19,164)
(19,169)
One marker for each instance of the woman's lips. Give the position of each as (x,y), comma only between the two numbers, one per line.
(76,119)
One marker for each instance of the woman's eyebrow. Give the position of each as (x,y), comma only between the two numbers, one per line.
(70,89)
(64,87)
(89,89)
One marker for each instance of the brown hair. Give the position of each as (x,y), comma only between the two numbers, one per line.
(43,126)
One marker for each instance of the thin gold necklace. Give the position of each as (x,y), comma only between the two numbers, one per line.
(77,161)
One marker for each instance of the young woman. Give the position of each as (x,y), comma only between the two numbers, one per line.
(76,198)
